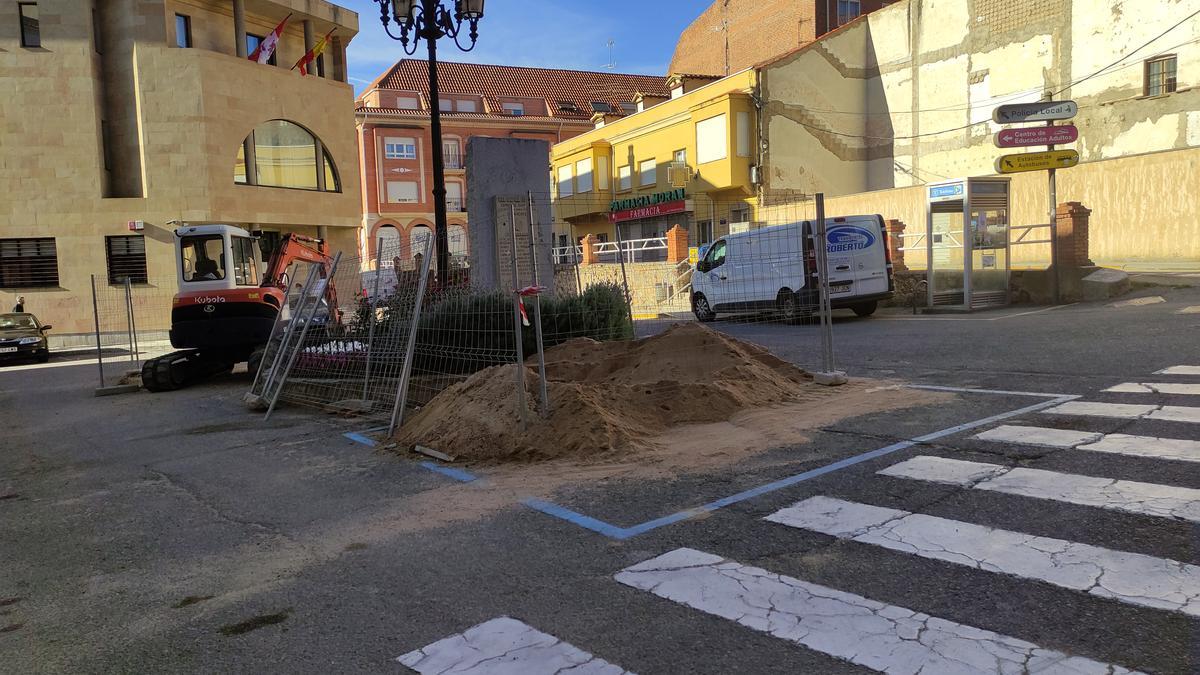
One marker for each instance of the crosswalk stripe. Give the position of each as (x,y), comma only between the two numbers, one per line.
(505,645)
(1176,413)
(885,638)
(1179,370)
(1055,438)
(1120,444)
(1149,499)
(1155,388)
(1132,578)
(1170,413)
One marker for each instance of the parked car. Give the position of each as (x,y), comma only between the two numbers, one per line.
(22,336)
(774,268)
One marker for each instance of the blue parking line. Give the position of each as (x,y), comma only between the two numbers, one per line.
(616,532)
(456,474)
(357,437)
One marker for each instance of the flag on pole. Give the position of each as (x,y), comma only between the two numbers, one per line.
(264,50)
(312,54)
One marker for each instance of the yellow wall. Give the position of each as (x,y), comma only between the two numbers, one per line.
(192,108)
(656,133)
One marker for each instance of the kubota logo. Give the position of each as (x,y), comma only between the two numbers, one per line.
(849,238)
(205,301)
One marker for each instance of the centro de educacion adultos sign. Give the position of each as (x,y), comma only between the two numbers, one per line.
(648,206)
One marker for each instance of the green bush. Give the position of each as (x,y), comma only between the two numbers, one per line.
(461,332)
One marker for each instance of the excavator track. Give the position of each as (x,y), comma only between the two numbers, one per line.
(183,369)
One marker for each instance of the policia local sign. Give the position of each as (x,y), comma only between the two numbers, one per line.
(648,206)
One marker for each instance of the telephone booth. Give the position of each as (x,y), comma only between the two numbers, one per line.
(967,243)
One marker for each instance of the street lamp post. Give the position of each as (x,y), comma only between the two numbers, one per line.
(430,21)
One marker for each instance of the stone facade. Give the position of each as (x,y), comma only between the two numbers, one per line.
(172,120)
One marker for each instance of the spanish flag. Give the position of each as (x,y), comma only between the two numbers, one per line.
(312,54)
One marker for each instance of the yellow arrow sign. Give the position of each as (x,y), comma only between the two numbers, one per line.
(1037,161)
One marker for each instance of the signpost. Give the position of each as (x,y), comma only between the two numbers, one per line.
(1050,161)
(1037,161)
(1042,111)
(1021,137)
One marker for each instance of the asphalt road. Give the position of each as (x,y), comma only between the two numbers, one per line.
(179,533)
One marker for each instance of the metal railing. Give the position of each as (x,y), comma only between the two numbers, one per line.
(1025,230)
(568,255)
(653,249)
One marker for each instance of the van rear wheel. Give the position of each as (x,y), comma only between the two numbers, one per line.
(866,308)
(701,309)
(787,305)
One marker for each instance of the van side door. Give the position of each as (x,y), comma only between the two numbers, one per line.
(716,272)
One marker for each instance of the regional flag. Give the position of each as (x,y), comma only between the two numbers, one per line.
(264,50)
(312,54)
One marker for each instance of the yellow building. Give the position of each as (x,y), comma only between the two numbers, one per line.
(123,119)
(688,160)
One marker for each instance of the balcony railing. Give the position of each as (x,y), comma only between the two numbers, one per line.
(454,204)
(653,249)
(453,159)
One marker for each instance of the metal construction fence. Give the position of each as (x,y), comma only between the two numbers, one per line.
(131,323)
(399,334)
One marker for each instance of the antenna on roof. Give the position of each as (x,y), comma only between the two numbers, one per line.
(612,64)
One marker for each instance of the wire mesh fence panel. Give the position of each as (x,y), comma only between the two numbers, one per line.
(131,321)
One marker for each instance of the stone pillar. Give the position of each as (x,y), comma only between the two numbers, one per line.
(677,244)
(589,250)
(1072,221)
(239,28)
(308,38)
(895,242)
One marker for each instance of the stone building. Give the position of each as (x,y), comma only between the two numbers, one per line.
(125,118)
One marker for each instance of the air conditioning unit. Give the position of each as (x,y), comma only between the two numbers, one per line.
(755,174)
(679,174)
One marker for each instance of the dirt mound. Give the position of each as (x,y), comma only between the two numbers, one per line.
(605,397)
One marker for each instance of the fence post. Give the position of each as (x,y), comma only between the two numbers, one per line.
(288,331)
(303,332)
(828,375)
(576,258)
(129,319)
(410,349)
(544,407)
(624,276)
(512,222)
(374,306)
(96,316)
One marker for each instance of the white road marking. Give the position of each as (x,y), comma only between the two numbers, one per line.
(1055,438)
(1176,413)
(1119,444)
(1155,388)
(1138,302)
(1194,309)
(1147,446)
(1179,370)
(505,645)
(1148,499)
(1094,409)
(1131,578)
(885,638)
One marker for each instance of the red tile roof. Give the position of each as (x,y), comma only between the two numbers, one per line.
(580,87)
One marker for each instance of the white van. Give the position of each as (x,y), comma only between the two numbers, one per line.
(775,267)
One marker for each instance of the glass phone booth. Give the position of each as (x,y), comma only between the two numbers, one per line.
(967,243)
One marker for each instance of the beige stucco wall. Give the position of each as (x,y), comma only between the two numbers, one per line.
(905,96)
(191,110)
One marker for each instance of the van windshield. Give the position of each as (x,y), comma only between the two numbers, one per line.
(716,255)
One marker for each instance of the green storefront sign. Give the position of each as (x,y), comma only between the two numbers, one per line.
(647,200)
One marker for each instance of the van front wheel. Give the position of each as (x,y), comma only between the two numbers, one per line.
(701,309)
(865,308)
(787,305)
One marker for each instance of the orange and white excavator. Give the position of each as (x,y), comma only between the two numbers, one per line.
(228,302)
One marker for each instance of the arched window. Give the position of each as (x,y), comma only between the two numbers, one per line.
(279,153)
(417,238)
(387,237)
(457,234)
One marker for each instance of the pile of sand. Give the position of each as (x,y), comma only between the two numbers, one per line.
(606,398)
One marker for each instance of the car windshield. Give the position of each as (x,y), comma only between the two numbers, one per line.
(18,322)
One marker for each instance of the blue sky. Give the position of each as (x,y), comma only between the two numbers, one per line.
(544,33)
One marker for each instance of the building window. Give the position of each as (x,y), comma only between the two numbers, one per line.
(514,109)
(648,172)
(712,139)
(601,107)
(583,175)
(126,259)
(454,200)
(467,106)
(252,43)
(402,192)
(564,181)
(419,239)
(452,154)
(1160,76)
(407,103)
(400,148)
(681,156)
(743,134)
(629,108)
(31,31)
(28,262)
(285,155)
(624,177)
(848,10)
(183,31)
(446,105)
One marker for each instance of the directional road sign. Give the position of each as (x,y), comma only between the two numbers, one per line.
(1037,161)
(1019,137)
(1043,111)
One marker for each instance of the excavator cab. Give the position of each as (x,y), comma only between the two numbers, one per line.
(215,257)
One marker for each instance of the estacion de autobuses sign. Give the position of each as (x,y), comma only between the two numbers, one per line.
(648,206)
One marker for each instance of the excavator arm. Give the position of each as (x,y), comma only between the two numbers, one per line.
(298,247)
